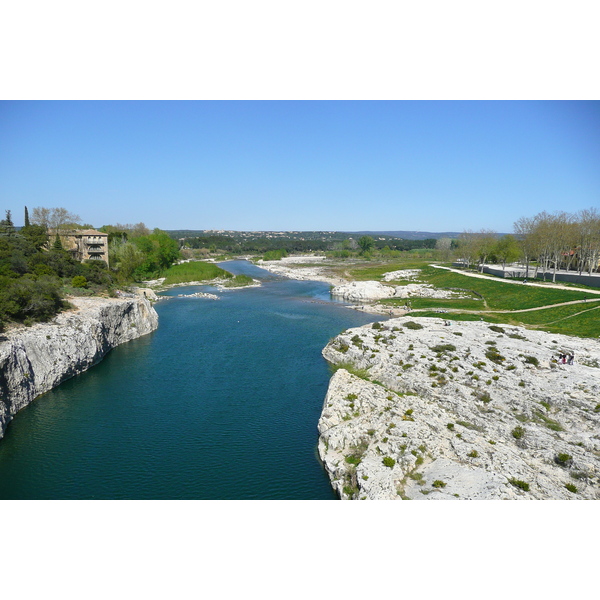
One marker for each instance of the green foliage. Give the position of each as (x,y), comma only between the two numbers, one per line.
(79,281)
(275,254)
(443,348)
(413,325)
(493,355)
(29,299)
(520,484)
(497,329)
(518,432)
(388,461)
(194,271)
(563,459)
(572,488)
(532,360)
(160,252)
(362,373)
(438,483)
(366,243)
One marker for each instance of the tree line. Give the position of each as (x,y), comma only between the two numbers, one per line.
(552,242)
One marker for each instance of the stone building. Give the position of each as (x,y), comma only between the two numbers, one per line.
(83,244)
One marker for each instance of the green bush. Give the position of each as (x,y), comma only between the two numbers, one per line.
(572,488)
(438,483)
(520,484)
(79,281)
(532,360)
(497,328)
(563,459)
(443,348)
(388,461)
(413,325)
(518,432)
(493,355)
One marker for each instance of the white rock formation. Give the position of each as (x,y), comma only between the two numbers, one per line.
(401,274)
(371,291)
(461,411)
(35,359)
(363,291)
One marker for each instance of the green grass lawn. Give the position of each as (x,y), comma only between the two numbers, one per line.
(194,271)
(579,320)
(500,295)
(493,294)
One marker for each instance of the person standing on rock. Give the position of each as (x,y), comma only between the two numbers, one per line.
(571,358)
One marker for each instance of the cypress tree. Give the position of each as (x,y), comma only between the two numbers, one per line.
(26,217)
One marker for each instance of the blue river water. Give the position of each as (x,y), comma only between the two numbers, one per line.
(220,402)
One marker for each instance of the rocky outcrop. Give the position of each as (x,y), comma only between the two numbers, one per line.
(363,291)
(371,291)
(425,410)
(35,359)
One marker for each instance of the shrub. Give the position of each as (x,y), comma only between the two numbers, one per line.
(518,432)
(438,483)
(443,348)
(493,355)
(388,461)
(520,484)
(497,328)
(532,360)
(572,488)
(413,325)
(563,459)
(357,341)
(376,325)
(473,454)
(79,281)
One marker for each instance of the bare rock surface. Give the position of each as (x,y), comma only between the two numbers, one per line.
(461,411)
(371,291)
(35,359)
(407,274)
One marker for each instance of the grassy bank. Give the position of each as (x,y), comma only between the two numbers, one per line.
(486,296)
(203,271)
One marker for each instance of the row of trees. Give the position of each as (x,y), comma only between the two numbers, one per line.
(561,240)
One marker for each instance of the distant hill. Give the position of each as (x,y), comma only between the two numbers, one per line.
(410,235)
(323,235)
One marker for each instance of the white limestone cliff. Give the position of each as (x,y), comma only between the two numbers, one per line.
(35,359)
(461,411)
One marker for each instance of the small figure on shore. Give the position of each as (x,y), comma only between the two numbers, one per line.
(561,358)
(571,358)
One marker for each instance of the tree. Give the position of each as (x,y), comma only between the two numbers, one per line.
(27,223)
(444,245)
(6,225)
(366,243)
(36,235)
(507,250)
(57,219)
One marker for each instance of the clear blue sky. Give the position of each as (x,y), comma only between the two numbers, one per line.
(309,165)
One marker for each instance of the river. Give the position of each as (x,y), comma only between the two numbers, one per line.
(221,402)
